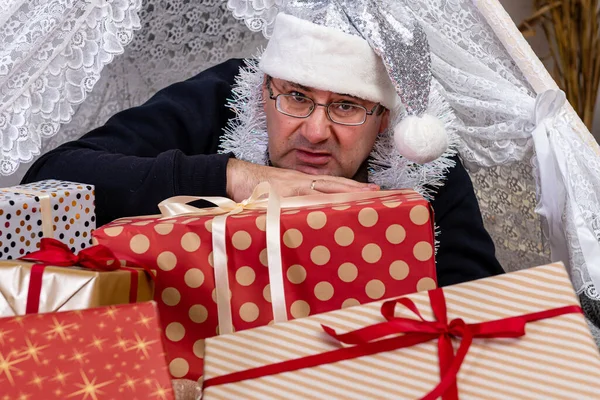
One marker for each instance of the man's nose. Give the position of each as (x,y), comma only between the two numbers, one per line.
(317,127)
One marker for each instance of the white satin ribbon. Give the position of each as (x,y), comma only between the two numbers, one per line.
(176,206)
(45,208)
(263,197)
(556,189)
(274,262)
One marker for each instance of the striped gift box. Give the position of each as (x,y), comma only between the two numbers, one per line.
(556,358)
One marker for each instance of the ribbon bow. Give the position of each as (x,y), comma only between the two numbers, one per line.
(556,188)
(421,330)
(552,196)
(177,205)
(55,253)
(372,340)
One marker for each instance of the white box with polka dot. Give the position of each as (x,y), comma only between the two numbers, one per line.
(64,209)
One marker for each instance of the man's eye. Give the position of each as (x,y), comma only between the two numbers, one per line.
(298,97)
(346,107)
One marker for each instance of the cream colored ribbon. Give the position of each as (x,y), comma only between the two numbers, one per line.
(45,208)
(263,197)
(177,206)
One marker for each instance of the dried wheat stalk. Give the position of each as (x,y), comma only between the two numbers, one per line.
(573,32)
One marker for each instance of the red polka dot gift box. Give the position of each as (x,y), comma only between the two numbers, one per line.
(59,209)
(97,354)
(237,269)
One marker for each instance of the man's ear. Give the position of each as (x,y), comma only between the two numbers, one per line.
(385,121)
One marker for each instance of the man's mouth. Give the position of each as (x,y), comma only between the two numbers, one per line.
(315,158)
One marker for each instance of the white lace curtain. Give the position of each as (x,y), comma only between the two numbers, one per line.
(125,49)
(51,56)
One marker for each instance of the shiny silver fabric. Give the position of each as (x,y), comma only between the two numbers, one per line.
(400,42)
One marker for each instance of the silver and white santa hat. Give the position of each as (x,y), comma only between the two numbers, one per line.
(357,48)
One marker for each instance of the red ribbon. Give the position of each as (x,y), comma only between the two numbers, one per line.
(370,340)
(55,253)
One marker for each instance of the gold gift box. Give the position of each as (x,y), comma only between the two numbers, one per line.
(67,289)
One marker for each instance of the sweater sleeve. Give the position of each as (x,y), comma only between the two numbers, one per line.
(145,154)
(466,251)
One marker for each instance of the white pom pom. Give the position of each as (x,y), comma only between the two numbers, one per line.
(421,139)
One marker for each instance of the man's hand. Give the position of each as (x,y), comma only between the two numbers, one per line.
(243,176)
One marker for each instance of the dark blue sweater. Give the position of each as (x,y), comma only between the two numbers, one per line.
(168,146)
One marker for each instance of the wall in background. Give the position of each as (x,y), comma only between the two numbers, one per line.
(520,10)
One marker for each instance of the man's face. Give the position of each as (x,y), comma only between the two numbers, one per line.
(316,145)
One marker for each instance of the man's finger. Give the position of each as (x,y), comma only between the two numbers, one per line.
(327,186)
(296,190)
(344,181)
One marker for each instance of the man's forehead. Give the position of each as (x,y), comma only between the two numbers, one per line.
(309,89)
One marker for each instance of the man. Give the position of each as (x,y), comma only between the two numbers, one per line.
(311,120)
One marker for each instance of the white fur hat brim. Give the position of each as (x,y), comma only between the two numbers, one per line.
(325,58)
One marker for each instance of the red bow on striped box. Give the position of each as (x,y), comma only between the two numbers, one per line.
(520,335)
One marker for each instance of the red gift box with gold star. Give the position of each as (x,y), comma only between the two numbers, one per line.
(103,353)
(335,252)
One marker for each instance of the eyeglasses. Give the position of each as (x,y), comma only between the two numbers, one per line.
(300,106)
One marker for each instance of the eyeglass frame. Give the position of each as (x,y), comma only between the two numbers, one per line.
(315,104)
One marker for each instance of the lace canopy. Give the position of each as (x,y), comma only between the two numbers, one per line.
(506,103)
(125,50)
(51,57)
